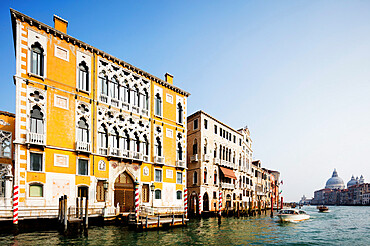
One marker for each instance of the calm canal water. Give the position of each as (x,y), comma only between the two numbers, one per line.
(342,226)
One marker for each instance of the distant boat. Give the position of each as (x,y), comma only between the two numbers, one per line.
(323,209)
(292,215)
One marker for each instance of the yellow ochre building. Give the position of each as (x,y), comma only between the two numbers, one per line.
(91,125)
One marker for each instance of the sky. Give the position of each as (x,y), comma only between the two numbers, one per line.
(297,73)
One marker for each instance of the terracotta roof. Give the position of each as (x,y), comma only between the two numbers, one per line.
(228,172)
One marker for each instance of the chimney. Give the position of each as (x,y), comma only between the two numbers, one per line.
(60,24)
(169,78)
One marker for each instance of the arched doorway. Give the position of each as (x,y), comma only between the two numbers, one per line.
(228,201)
(205,202)
(193,204)
(124,192)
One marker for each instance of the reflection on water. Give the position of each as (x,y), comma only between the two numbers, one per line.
(342,226)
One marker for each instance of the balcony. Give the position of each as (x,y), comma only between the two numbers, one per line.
(145,112)
(227,186)
(206,157)
(145,158)
(180,163)
(227,164)
(104,98)
(216,160)
(135,109)
(137,156)
(114,102)
(114,152)
(103,151)
(125,153)
(35,138)
(159,159)
(83,147)
(194,158)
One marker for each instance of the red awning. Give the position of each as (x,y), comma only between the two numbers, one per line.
(228,172)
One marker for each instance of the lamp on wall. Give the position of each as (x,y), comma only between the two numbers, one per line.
(105,185)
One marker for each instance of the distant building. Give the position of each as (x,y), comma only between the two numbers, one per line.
(305,201)
(335,192)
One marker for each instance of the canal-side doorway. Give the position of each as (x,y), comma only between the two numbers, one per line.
(124,193)
(205,202)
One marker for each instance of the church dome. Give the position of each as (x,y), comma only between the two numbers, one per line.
(352,182)
(362,180)
(335,182)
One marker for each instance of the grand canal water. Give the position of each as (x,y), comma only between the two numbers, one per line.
(342,226)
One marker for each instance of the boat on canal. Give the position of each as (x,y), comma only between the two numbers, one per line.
(323,209)
(292,215)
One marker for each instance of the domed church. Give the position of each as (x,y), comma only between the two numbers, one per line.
(335,182)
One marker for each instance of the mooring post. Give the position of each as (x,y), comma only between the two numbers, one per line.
(173,218)
(65,214)
(146,221)
(86,221)
(272,204)
(81,206)
(183,219)
(158,220)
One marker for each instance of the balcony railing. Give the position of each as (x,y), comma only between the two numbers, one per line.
(145,112)
(115,152)
(206,157)
(125,153)
(83,146)
(35,138)
(159,159)
(145,158)
(180,163)
(104,98)
(103,151)
(135,109)
(114,102)
(227,164)
(194,158)
(216,160)
(137,156)
(227,186)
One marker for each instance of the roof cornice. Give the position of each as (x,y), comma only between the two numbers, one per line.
(24,18)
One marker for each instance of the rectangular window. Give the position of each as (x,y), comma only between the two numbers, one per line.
(36,162)
(205,124)
(158,105)
(158,175)
(83,167)
(195,122)
(100,192)
(221,132)
(215,129)
(158,194)
(179,195)
(179,177)
(240,142)
(36,190)
(214,195)
(234,139)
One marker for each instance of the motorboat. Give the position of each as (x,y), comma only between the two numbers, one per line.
(292,215)
(323,209)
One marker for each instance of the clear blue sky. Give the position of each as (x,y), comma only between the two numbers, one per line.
(296,72)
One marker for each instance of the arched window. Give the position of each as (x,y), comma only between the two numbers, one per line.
(137,97)
(83,131)
(179,152)
(126,141)
(103,139)
(179,195)
(220,152)
(195,177)
(158,147)
(215,177)
(125,92)
(234,158)
(114,88)
(205,176)
(205,147)
(37,121)
(215,152)
(136,141)
(114,138)
(179,113)
(195,147)
(37,59)
(158,105)
(83,76)
(146,146)
(158,194)
(229,155)
(104,84)
(146,100)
